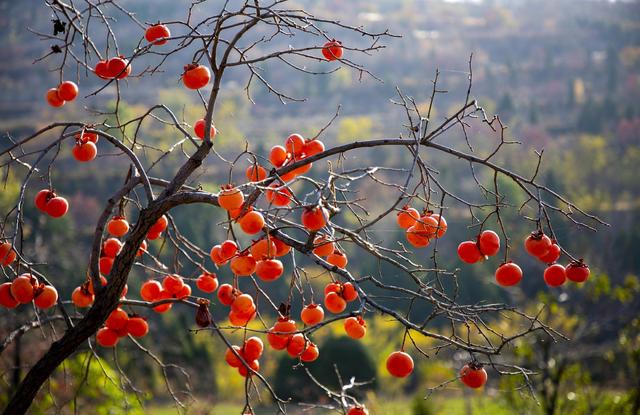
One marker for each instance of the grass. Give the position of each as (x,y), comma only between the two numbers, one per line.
(440,406)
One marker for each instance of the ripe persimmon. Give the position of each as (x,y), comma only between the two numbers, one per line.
(313,147)
(184,292)
(355,327)
(243,265)
(552,254)
(297,344)
(173,283)
(160,225)
(102,69)
(312,314)
(399,364)
(42,198)
(440,225)
(254,365)
(253,348)
(107,337)
(473,375)
(358,410)
(111,247)
(68,91)
(311,353)
(468,252)
(252,222)
(349,292)
(207,282)
(45,296)
(53,98)
(241,319)
(508,274)
(278,156)
(314,218)
(269,269)
(6,298)
(417,237)
(117,320)
(118,67)
(84,152)
(332,50)
(142,249)
(537,244)
(281,248)
(231,358)
(323,246)
(163,308)
(256,173)
(216,256)
(118,226)
(137,326)
(577,271)
(157,34)
(150,290)
(195,76)
(555,275)
(230,198)
(7,254)
(335,303)
(295,144)
(228,249)
(338,259)
(226,294)
(22,288)
(263,249)
(279,335)
(57,207)
(199,129)
(407,217)
(81,297)
(488,243)
(243,303)
(278,195)
(105,264)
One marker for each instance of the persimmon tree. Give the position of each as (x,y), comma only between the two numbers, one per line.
(269,216)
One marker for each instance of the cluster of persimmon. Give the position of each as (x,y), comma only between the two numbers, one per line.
(111,247)
(85,148)
(540,246)
(421,229)
(119,324)
(243,308)
(83,296)
(325,247)
(337,295)
(259,258)
(172,287)
(25,289)
(487,244)
(283,336)
(295,148)
(66,91)
(245,356)
(49,202)
(115,68)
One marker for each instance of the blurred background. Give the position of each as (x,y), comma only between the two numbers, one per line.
(564,75)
